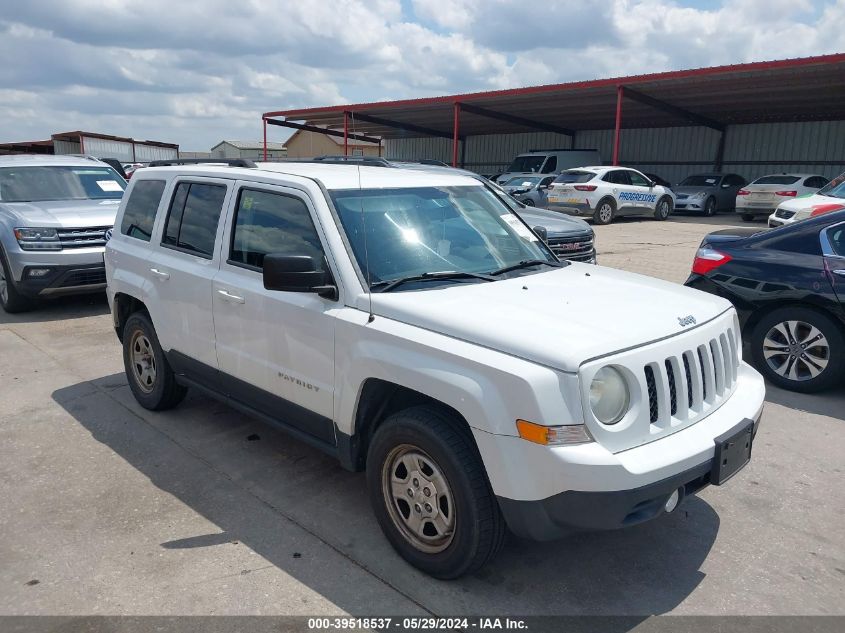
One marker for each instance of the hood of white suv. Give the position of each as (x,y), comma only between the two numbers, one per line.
(61,213)
(559,318)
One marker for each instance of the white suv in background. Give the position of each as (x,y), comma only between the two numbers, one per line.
(411,325)
(604,193)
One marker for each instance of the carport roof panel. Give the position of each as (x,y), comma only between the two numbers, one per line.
(804,89)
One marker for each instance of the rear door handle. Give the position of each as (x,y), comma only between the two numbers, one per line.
(840,272)
(160,274)
(228,296)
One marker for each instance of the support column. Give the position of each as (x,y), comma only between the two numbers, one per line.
(720,151)
(345,133)
(456,134)
(620,91)
(264,121)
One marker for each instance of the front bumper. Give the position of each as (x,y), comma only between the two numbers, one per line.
(62,280)
(576,511)
(690,204)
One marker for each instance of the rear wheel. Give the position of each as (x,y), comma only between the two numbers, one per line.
(747,217)
(430,493)
(10,299)
(799,349)
(605,211)
(710,207)
(150,376)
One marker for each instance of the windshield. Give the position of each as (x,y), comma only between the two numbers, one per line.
(776,180)
(433,229)
(38,184)
(522,181)
(835,188)
(527,163)
(700,181)
(575,176)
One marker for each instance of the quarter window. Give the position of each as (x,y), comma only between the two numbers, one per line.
(141,207)
(266,223)
(836,237)
(193,217)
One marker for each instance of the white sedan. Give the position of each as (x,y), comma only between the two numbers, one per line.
(764,195)
(830,198)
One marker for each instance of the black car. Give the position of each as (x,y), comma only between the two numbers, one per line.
(788,286)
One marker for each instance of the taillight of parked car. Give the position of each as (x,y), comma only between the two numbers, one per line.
(586,187)
(708,259)
(821,209)
(743,192)
(789,194)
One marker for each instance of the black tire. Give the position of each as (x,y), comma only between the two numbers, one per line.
(600,216)
(831,348)
(478,529)
(162,392)
(10,299)
(710,207)
(663,208)
(528,202)
(747,217)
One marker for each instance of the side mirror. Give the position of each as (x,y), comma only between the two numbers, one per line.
(542,233)
(651,184)
(296,273)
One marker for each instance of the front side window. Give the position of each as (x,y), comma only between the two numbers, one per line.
(272,223)
(193,217)
(396,233)
(637,179)
(40,184)
(141,207)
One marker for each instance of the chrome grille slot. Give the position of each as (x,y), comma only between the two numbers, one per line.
(83,237)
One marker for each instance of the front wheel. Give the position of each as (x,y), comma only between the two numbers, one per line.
(799,349)
(710,207)
(663,209)
(528,202)
(430,493)
(150,376)
(10,299)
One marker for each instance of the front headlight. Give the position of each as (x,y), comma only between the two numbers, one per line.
(38,239)
(699,195)
(609,396)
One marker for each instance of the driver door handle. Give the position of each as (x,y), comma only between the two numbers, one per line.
(160,274)
(228,296)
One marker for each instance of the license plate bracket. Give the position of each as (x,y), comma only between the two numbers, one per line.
(733,452)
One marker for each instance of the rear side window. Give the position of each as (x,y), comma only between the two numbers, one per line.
(272,223)
(836,237)
(140,212)
(193,217)
(815,182)
(776,180)
(575,177)
(802,242)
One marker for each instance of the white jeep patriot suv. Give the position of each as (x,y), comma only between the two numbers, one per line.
(410,324)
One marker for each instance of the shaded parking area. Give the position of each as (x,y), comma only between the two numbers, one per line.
(112,509)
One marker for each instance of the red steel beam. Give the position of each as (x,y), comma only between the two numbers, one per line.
(620,91)
(456,133)
(345,133)
(265,137)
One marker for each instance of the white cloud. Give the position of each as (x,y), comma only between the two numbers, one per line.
(194,73)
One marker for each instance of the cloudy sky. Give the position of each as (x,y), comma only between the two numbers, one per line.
(198,72)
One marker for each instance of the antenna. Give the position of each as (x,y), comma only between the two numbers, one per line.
(372,317)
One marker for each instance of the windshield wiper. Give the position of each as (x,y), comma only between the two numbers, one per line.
(526,264)
(390,284)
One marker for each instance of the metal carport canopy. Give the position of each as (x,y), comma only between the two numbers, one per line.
(803,89)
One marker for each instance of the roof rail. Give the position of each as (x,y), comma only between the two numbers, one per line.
(231,162)
(420,161)
(373,161)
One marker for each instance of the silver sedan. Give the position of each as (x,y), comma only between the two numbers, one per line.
(529,190)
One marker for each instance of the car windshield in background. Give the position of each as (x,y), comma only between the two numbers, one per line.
(700,181)
(574,177)
(426,230)
(835,188)
(776,180)
(527,163)
(522,182)
(39,184)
